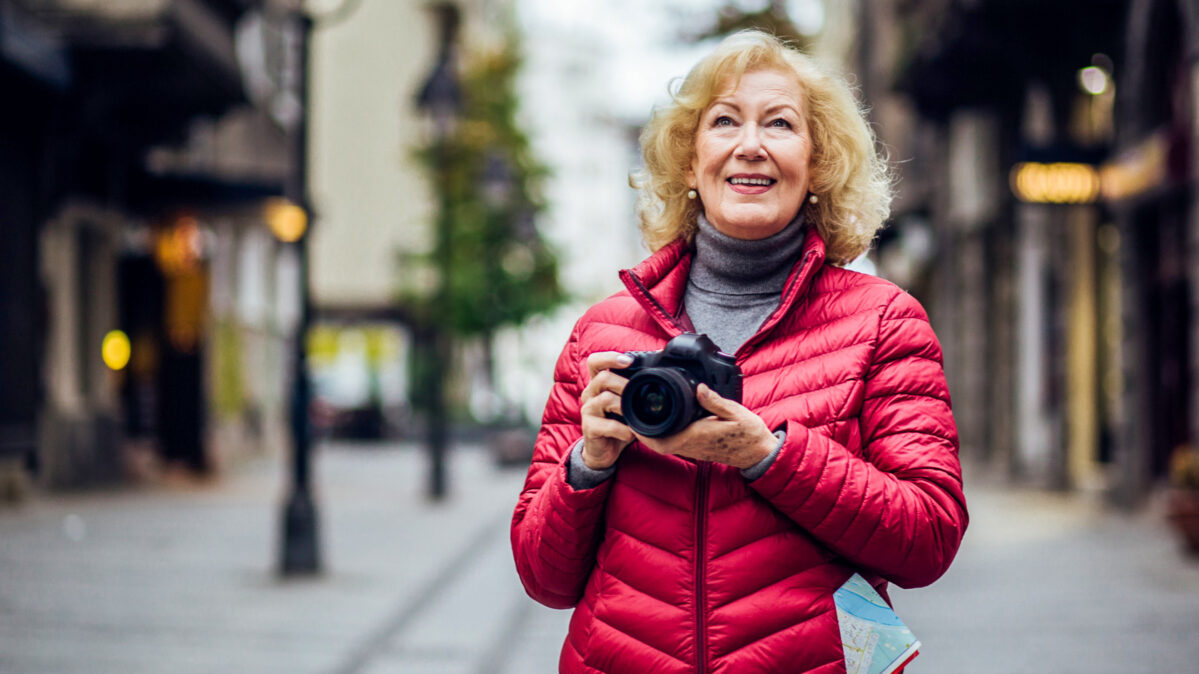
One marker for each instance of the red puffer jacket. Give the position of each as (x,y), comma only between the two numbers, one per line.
(675,565)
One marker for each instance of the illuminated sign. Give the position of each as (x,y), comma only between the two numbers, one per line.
(1056,183)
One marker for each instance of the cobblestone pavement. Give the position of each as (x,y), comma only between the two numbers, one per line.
(181,578)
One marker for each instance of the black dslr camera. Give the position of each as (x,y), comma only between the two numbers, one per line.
(659,399)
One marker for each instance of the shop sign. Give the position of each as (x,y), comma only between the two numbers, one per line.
(1140,169)
(1055,183)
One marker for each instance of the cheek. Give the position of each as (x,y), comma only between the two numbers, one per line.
(702,163)
(802,163)
(711,151)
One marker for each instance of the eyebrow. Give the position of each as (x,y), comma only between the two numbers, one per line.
(769,110)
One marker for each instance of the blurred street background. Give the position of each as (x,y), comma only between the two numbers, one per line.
(181,578)
(282,284)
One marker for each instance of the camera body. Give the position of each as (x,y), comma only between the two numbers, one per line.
(659,399)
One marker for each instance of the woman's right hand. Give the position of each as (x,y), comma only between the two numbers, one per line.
(604,438)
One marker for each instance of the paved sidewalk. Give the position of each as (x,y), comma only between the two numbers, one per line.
(1058,583)
(180,579)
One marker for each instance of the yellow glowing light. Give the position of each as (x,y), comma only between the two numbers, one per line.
(1057,183)
(116,350)
(179,246)
(287,220)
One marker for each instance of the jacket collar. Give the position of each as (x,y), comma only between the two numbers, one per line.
(658,283)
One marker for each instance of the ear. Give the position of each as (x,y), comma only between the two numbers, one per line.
(689,176)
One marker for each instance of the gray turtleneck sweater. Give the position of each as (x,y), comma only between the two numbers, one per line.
(733,287)
(736,284)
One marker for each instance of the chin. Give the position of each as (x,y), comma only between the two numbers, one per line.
(753,229)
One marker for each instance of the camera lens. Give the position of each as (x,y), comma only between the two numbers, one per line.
(653,403)
(658,402)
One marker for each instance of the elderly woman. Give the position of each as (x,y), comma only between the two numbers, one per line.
(719,548)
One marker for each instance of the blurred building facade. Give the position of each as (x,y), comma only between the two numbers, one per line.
(369,203)
(149,139)
(1047,216)
(151,291)
(374,205)
(147,303)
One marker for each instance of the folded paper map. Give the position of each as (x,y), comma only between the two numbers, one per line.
(875,640)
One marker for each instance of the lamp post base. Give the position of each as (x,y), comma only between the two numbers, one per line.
(300,550)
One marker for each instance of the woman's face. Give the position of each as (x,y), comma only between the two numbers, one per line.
(752,153)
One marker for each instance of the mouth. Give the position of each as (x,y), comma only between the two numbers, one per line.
(750,184)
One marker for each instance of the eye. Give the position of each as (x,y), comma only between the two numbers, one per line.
(723,120)
(780,123)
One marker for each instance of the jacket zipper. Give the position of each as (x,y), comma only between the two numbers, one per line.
(701,623)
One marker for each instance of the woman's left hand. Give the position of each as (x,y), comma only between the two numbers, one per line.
(734,436)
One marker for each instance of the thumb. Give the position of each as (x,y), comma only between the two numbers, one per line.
(714,403)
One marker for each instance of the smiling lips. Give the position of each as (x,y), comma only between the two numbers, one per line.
(750,183)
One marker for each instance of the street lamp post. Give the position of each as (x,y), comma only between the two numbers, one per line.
(300,553)
(441,100)
(289,219)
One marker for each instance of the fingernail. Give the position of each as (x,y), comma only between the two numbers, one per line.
(624,360)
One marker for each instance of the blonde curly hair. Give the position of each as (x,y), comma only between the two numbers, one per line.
(847,173)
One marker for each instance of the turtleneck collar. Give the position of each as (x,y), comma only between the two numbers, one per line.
(740,266)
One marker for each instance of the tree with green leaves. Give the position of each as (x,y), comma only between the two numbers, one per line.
(489,268)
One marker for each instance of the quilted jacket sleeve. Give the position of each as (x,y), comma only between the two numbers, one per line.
(897,511)
(556,528)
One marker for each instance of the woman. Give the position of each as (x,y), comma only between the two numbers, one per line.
(718,549)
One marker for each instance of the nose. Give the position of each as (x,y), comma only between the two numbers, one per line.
(749,144)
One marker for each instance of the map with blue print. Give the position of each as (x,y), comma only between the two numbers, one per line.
(874,638)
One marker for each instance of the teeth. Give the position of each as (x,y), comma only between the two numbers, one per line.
(751,181)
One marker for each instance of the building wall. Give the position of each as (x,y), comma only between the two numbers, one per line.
(1085,374)
(1011,287)
(1162,37)
(369,199)
(1193,228)
(80,440)
(21,301)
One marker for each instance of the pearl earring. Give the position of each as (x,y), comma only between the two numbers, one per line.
(813,199)
(692,194)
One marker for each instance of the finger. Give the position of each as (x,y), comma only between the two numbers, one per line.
(604,401)
(606,360)
(610,381)
(715,403)
(604,382)
(603,427)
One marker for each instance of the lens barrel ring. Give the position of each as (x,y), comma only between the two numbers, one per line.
(659,401)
